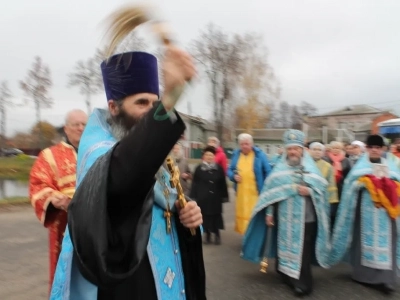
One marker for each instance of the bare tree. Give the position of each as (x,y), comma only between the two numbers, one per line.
(257,76)
(274,118)
(5,102)
(236,67)
(285,114)
(85,77)
(219,57)
(257,83)
(36,87)
(296,118)
(307,109)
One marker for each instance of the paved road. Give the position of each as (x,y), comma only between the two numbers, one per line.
(23,267)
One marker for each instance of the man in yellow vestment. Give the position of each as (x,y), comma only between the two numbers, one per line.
(248,170)
(52,184)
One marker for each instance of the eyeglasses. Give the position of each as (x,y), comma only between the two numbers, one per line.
(76,125)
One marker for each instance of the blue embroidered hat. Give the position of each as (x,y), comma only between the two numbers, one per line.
(293,137)
(130,73)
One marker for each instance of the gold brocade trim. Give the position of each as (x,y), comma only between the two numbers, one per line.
(379,198)
(40,194)
(66,179)
(48,156)
(43,216)
(70,147)
(68,191)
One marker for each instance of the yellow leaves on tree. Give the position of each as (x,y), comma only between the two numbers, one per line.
(252,115)
(21,140)
(43,132)
(255,82)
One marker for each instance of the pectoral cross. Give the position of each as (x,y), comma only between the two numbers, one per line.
(167,216)
(167,213)
(301,172)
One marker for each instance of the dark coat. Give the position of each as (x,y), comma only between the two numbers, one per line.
(209,189)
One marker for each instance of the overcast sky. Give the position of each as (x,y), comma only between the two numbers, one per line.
(329,53)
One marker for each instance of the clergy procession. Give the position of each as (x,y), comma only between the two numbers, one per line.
(129,216)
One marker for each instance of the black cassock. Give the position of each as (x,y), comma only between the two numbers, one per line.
(209,189)
(110,215)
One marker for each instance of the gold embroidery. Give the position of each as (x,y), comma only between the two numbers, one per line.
(68,167)
(48,156)
(40,194)
(66,180)
(167,213)
(68,191)
(43,216)
(70,147)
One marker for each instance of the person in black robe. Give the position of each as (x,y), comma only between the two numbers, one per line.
(110,216)
(209,189)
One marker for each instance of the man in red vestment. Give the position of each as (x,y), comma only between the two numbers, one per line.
(52,183)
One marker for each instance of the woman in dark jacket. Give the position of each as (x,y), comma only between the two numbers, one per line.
(209,189)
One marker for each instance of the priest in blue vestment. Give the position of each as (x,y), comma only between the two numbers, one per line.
(127,239)
(291,219)
(367,226)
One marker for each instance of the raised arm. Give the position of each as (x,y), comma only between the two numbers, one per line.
(136,159)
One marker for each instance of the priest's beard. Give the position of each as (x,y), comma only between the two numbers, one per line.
(122,123)
(375,160)
(293,161)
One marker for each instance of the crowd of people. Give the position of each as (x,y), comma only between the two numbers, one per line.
(324,204)
(119,228)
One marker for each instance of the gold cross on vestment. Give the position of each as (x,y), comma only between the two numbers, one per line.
(167,216)
(167,213)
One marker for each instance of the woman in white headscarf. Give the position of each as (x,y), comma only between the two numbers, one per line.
(358,151)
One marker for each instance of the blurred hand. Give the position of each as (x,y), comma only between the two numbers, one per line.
(190,216)
(60,201)
(237,178)
(269,220)
(178,67)
(303,190)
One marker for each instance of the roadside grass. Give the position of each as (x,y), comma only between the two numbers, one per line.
(14,201)
(16,168)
